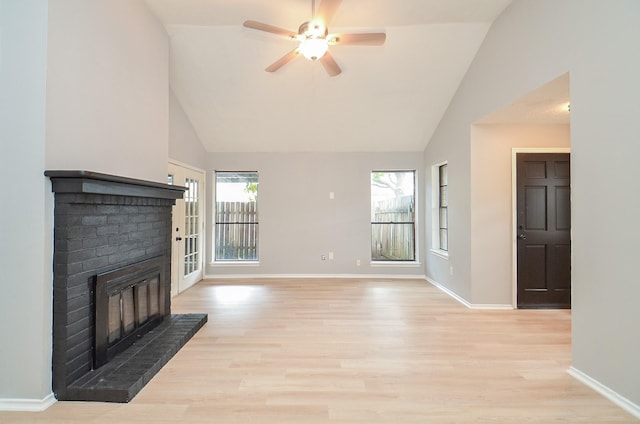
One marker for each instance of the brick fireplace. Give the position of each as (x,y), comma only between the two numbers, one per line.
(112,325)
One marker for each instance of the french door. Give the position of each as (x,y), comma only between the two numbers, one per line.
(187,257)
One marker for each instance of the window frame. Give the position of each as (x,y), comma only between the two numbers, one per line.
(436,208)
(233,262)
(414,223)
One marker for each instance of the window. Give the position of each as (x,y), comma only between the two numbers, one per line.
(236,216)
(440,208)
(393,216)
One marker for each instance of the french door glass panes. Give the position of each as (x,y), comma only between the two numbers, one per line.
(192,226)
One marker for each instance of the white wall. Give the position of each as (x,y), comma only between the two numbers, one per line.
(298,221)
(26,212)
(184,144)
(530,44)
(107,89)
(491,203)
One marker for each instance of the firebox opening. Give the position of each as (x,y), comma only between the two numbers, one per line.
(129,303)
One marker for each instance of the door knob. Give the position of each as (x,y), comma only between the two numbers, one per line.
(178,238)
(522,237)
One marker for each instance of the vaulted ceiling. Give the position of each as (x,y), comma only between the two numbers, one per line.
(387,98)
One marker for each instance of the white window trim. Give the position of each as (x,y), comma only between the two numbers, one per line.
(435,211)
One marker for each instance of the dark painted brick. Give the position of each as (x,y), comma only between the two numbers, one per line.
(106,250)
(154,251)
(66,269)
(129,209)
(95,263)
(108,209)
(107,229)
(137,218)
(82,209)
(127,228)
(95,242)
(68,245)
(117,219)
(144,226)
(68,220)
(138,253)
(94,220)
(118,258)
(125,247)
(81,232)
(118,239)
(81,255)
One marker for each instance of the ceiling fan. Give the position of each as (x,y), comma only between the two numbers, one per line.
(314,39)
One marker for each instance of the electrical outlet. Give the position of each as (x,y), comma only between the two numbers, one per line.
(330,256)
(451,270)
(357,262)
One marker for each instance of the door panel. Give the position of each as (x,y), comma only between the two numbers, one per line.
(188,229)
(543,230)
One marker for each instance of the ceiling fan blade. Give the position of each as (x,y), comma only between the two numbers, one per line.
(283,60)
(326,10)
(270,28)
(330,65)
(368,39)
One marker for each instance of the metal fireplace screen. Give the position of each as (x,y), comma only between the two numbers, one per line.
(129,303)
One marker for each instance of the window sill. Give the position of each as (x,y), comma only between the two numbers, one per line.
(395,264)
(440,253)
(235,263)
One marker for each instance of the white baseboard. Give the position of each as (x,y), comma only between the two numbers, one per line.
(313,276)
(481,306)
(605,391)
(27,405)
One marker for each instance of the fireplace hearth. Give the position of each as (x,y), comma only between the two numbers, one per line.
(112,325)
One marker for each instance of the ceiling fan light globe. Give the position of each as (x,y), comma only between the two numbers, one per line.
(314,48)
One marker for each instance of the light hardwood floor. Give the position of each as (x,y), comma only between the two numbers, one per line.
(355,351)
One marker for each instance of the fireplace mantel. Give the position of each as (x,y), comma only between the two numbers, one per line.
(89,182)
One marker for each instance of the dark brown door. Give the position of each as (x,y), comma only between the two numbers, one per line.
(544,230)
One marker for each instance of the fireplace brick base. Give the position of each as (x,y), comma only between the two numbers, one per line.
(103,223)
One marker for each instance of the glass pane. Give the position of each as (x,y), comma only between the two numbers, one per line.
(444,241)
(237,242)
(154,297)
(114,318)
(444,201)
(392,196)
(128,310)
(443,175)
(392,242)
(143,303)
(443,218)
